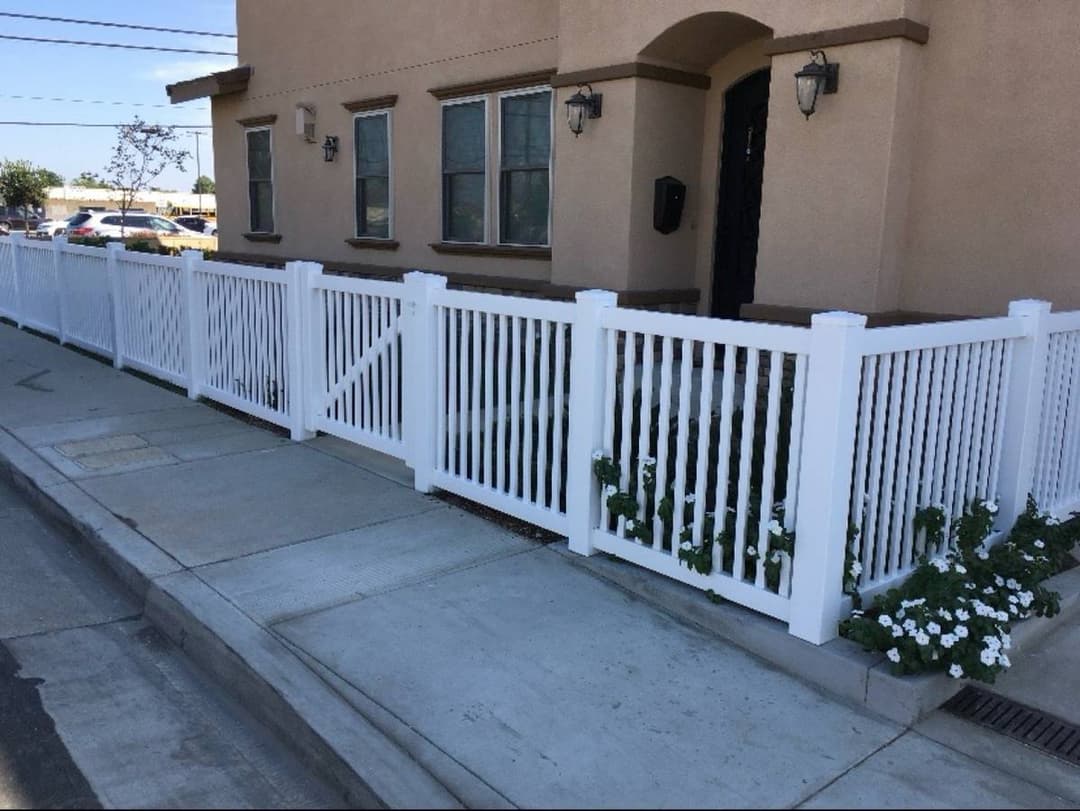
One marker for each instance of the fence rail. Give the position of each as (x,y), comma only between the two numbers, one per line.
(761,453)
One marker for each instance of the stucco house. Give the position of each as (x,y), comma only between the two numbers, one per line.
(941,177)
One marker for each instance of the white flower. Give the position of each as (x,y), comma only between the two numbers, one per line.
(956,671)
(856,568)
(988,590)
(751,551)
(988,657)
(1039,545)
(982,554)
(910,625)
(992,642)
(1052,520)
(774,528)
(857,612)
(991,507)
(913,632)
(959,569)
(1012,584)
(933,628)
(631,525)
(1014,609)
(598,455)
(960,631)
(893,654)
(1028,557)
(1001,616)
(999,581)
(685,545)
(690,498)
(1006,641)
(1025,598)
(948,640)
(1003,660)
(610,490)
(897,630)
(1013,598)
(922,639)
(969,585)
(776,556)
(940,564)
(945,615)
(962,614)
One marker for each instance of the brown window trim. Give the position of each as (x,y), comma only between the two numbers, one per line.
(632,70)
(536,77)
(507,251)
(373,103)
(261,237)
(373,243)
(901,27)
(257,121)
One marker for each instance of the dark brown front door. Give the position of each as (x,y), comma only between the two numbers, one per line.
(742,160)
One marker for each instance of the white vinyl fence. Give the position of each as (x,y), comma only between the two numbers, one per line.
(764,450)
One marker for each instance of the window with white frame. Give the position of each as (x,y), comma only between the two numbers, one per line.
(524,167)
(464,171)
(260,180)
(371,140)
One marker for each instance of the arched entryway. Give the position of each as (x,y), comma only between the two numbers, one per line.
(738,196)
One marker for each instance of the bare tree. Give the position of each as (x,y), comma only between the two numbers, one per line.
(142,152)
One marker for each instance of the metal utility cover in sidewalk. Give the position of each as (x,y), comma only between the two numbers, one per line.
(1030,726)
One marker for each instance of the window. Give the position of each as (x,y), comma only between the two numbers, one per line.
(371,136)
(260,180)
(524,167)
(464,167)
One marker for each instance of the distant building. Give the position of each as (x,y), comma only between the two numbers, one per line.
(65,200)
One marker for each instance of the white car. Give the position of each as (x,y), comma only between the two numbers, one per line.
(54,228)
(113,225)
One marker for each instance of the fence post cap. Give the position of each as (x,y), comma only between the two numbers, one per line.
(114,246)
(838,318)
(425,278)
(1028,306)
(602,298)
(18,236)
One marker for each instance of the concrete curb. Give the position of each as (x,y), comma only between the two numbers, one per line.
(255,667)
(840,667)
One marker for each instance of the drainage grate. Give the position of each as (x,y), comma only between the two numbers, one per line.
(1030,726)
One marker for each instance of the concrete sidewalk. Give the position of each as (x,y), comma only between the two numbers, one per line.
(419,655)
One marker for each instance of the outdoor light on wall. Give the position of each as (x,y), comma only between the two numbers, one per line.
(814,79)
(579,107)
(329,148)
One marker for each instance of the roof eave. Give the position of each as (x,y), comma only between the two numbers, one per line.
(234,80)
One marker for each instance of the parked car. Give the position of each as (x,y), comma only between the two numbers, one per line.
(54,228)
(200,224)
(5,229)
(15,219)
(141,226)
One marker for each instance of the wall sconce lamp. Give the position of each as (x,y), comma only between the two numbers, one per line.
(579,107)
(814,79)
(330,148)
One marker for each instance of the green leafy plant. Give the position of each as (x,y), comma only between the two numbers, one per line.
(955,612)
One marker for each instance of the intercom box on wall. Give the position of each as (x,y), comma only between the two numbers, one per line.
(668,200)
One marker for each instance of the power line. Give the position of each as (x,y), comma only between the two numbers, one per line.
(114,25)
(116,45)
(98,101)
(83,124)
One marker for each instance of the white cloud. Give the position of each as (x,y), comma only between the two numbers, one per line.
(187,69)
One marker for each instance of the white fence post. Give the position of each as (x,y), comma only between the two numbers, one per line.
(298,284)
(587,351)
(59,274)
(17,242)
(195,325)
(832,396)
(419,375)
(112,256)
(1023,410)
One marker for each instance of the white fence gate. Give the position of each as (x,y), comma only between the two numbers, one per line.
(732,435)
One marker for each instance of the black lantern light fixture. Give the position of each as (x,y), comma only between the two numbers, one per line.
(813,80)
(330,148)
(580,106)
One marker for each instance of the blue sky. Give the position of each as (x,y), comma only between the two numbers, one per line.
(105,74)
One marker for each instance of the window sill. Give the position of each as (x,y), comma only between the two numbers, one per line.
(373,243)
(262,237)
(508,251)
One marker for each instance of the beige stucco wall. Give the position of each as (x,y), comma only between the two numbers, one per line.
(405,47)
(940,178)
(995,190)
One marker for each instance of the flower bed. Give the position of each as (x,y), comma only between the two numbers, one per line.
(955,612)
